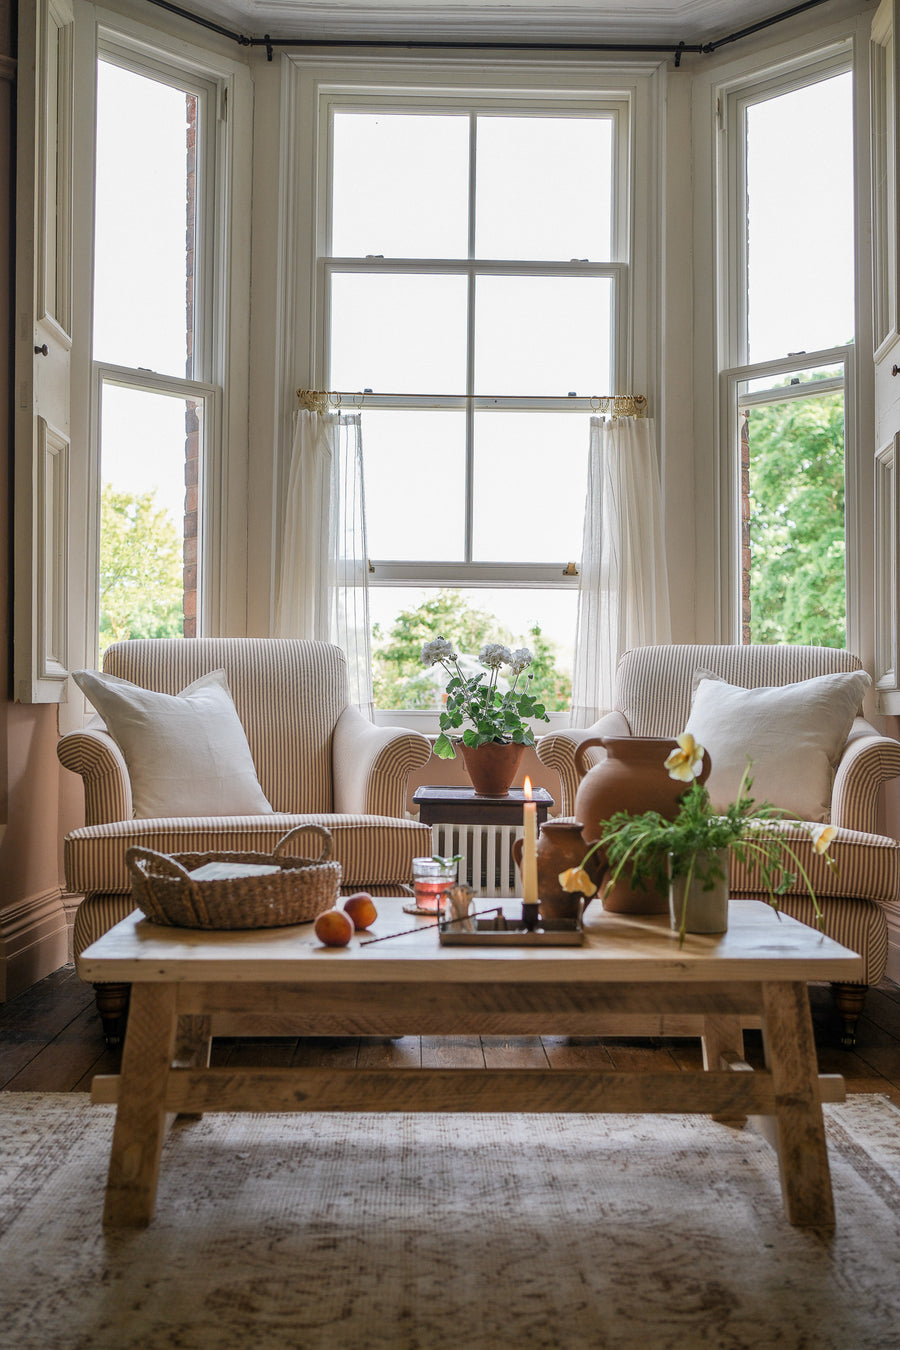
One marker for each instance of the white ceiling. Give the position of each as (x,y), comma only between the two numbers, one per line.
(660,21)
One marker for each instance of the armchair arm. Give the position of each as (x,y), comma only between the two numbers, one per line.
(107,787)
(869,759)
(557,750)
(372,765)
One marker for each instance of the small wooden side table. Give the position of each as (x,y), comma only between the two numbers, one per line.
(462,806)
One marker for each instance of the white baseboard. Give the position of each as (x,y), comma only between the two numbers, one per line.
(33,942)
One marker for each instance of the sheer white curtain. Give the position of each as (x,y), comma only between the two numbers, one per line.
(623,597)
(323,590)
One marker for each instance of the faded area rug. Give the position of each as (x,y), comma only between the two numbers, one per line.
(417,1232)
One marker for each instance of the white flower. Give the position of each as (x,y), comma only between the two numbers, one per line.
(438,650)
(520,658)
(686,764)
(493,655)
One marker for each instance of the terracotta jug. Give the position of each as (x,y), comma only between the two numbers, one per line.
(632,778)
(492,766)
(560,845)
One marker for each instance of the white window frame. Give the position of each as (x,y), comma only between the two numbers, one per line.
(211,376)
(731,102)
(633,92)
(731,401)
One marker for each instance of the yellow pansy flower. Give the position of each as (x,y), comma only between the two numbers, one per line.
(822,837)
(576,879)
(686,763)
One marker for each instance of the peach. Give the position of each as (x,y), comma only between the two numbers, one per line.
(361,909)
(334,928)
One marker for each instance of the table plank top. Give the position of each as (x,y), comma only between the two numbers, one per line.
(760,944)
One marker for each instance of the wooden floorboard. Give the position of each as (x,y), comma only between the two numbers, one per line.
(51,1041)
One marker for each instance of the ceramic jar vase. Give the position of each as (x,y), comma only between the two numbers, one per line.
(632,778)
(560,845)
(693,909)
(492,766)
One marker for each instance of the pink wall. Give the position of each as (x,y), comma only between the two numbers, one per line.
(29,774)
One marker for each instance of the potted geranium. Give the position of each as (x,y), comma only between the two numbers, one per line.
(494,721)
(690,854)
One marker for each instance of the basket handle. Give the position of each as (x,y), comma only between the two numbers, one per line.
(320,830)
(161,862)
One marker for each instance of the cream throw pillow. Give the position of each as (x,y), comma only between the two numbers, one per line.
(792,734)
(187,753)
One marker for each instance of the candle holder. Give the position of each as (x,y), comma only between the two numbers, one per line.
(530,915)
(531,930)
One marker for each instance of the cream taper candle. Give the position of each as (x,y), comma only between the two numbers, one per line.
(529,850)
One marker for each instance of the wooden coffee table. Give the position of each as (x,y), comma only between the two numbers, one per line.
(630,977)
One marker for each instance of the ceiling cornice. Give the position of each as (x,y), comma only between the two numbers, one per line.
(660,26)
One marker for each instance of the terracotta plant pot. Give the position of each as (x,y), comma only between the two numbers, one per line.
(492,766)
(632,778)
(560,845)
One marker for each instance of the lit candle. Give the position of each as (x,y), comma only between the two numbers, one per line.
(529,850)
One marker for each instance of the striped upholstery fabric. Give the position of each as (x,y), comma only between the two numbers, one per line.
(369,848)
(107,789)
(317,758)
(868,761)
(868,865)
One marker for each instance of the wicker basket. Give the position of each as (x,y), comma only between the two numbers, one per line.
(298,892)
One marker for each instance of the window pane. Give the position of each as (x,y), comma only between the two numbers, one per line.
(543,335)
(793,521)
(400,185)
(406,453)
(398,334)
(544,188)
(800,225)
(530,484)
(149,450)
(810,375)
(403,620)
(143,266)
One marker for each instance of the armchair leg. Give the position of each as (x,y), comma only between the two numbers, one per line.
(849,1000)
(112,1005)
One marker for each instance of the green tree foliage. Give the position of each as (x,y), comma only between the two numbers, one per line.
(797,590)
(141,580)
(401,681)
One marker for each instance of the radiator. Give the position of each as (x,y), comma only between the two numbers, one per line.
(487,861)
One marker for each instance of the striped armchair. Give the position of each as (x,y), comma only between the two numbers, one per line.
(653,698)
(316,757)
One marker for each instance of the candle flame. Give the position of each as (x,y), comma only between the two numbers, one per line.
(526,787)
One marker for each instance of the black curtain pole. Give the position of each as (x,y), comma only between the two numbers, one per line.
(677,49)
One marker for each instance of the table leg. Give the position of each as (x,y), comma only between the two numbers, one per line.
(193,1044)
(140,1114)
(799,1125)
(723,1036)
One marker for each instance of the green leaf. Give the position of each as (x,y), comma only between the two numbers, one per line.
(443,747)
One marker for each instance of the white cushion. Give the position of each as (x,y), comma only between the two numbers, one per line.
(792,734)
(187,753)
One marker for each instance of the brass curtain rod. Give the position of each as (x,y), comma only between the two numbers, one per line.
(620,405)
